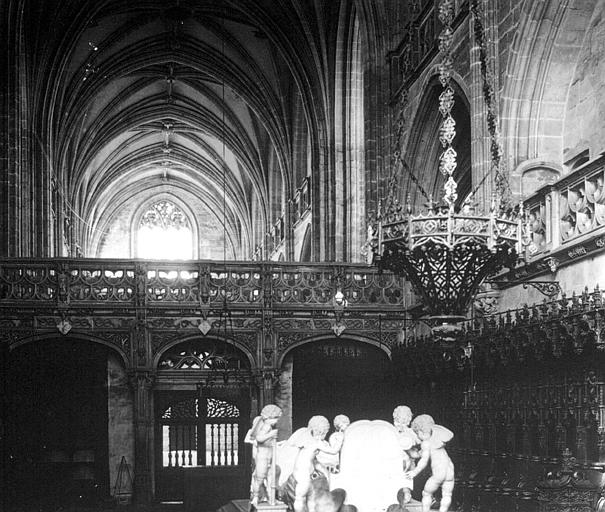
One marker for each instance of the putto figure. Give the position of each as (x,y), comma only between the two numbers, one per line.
(402,417)
(262,436)
(306,465)
(331,462)
(432,448)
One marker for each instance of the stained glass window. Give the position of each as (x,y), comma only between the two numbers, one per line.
(164,232)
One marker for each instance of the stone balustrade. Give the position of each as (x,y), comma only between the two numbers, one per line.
(239,285)
(568,218)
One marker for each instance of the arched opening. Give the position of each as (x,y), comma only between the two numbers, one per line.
(60,394)
(202,410)
(340,376)
(424,149)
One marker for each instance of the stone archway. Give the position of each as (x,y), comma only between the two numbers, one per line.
(424,147)
(58,396)
(339,376)
(202,403)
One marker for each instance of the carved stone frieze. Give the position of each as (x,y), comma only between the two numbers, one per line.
(82,323)
(249,339)
(354,323)
(285,339)
(169,323)
(46,322)
(250,323)
(160,339)
(292,324)
(119,339)
(322,324)
(11,323)
(112,322)
(15,336)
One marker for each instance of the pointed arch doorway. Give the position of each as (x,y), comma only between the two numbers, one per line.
(202,406)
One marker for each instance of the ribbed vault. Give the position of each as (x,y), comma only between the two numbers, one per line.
(202,97)
(237,108)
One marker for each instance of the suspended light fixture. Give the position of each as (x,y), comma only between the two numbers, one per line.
(225,318)
(443,251)
(224,326)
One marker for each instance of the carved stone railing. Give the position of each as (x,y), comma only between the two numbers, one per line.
(239,285)
(143,307)
(567,219)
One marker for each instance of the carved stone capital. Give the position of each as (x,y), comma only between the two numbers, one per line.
(141,380)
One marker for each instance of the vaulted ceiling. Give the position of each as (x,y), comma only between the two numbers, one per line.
(217,99)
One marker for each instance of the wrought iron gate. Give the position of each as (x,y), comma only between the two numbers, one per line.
(198,432)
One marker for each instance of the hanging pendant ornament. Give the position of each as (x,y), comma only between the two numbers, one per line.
(444,254)
(447,132)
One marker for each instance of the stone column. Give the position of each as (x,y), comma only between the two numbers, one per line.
(142,385)
(267,374)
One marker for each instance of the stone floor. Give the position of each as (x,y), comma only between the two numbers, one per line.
(233,506)
(99,507)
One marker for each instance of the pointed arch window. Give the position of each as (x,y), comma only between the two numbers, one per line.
(164,232)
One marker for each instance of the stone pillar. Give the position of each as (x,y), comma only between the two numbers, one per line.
(13,114)
(283,397)
(267,375)
(120,409)
(266,381)
(142,385)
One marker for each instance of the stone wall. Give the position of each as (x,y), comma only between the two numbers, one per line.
(572,279)
(121,422)
(585,113)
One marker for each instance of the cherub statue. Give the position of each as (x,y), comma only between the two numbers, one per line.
(262,436)
(330,462)
(306,465)
(402,417)
(432,448)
